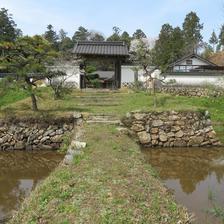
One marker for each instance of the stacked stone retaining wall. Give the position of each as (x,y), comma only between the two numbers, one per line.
(172,129)
(192,91)
(34,134)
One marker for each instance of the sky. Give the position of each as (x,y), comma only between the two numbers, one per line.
(32,16)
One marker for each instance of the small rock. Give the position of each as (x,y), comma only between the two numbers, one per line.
(19,145)
(196,140)
(59,132)
(157,123)
(144,137)
(139,116)
(163,137)
(154,130)
(123,130)
(44,139)
(170,134)
(77,115)
(173,117)
(68,159)
(179,134)
(137,127)
(175,128)
(180,143)
(154,142)
(78,145)
(56,139)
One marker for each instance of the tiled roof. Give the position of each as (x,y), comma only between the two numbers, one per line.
(192,56)
(109,48)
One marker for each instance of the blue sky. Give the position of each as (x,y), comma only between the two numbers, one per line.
(32,16)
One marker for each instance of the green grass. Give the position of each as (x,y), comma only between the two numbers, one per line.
(118,103)
(12,96)
(110,183)
(114,103)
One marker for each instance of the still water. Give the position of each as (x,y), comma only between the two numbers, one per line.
(195,175)
(20,172)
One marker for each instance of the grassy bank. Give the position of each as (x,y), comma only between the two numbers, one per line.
(114,103)
(110,183)
(12,96)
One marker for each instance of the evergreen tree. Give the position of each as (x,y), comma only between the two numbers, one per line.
(192,32)
(116,34)
(96,36)
(208,51)
(62,35)
(177,44)
(51,36)
(169,47)
(26,56)
(162,50)
(139,34)
(8,30)
(65,43)
(221,38)
(213,40)
(81,34)
(126,38)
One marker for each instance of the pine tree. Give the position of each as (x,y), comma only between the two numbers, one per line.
(65,42)
(81,34)
(139,34)
(126,38)
(221,38)
(116,34)
(29,55)
(213,40)
(162,50)
(62,35)
(51,36)
(192,32)
(169,47)
(8,30)
(96,36)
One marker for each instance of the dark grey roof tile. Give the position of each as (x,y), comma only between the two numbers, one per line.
(110,48)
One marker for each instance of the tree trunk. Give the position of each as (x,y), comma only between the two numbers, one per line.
(34,102)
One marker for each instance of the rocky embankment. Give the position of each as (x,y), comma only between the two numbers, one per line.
(192,91)
(172,129)
(34,134)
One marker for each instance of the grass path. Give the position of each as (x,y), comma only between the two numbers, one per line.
(110,183)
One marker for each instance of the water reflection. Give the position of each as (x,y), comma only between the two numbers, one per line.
(191,173)
(19,173)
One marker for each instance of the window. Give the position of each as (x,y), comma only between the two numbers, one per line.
(189,62)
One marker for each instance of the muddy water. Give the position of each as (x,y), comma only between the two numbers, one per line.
(20,172)
(195,176)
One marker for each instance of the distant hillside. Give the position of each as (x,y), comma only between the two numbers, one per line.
(218,58)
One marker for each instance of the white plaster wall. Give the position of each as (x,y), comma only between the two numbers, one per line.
(197,80)
(195,61)
(127,74)
(73,75)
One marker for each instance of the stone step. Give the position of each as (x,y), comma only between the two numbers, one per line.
(107,119)
(97,104)
(97,97)
(103,122)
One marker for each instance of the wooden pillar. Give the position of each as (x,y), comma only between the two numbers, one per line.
(118,74)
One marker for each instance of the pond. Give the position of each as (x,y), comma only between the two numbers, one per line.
(20,172)
(196,177)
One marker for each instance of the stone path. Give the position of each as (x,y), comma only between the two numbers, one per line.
(102,98)
(105,119)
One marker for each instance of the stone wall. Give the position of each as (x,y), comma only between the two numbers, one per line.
(172,129)
(191,91)
(34,134)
